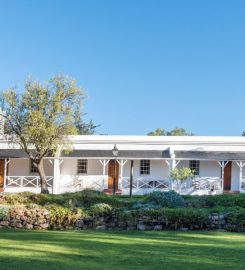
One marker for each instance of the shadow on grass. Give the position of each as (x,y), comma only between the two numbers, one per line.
(120,250)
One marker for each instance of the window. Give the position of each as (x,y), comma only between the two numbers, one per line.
(195,166)
(145,167)
(82,166)
(33,168)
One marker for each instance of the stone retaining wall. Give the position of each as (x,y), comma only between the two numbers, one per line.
(26,218)
(29,217)
(216,222)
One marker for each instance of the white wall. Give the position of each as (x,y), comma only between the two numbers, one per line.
(21,167)
(69,176)
(207,168)
(159,170)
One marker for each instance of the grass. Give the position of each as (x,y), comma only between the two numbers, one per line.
(120,250)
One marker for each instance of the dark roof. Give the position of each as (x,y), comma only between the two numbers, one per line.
(144,154)
(12,153)
(137,154)
(15,153)
(203,155)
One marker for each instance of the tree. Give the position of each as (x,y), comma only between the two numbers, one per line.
(41,117)
(182,174)
(84,128)
(158,132)
(174,132)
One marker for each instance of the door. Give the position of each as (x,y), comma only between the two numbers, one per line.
(1,174)
(227,177)
(111,173)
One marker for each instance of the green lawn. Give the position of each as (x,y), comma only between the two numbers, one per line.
(120,250)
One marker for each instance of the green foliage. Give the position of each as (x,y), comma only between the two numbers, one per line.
(15,198)
(100,209)
(236,220)
(64,217)
(187,217)
(4,212)
(42,116)
(169,199)
(85,198)
(181,174)
(174,132)
(207,201)
(129,216)
(173,218)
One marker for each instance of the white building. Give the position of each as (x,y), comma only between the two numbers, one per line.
(218,163)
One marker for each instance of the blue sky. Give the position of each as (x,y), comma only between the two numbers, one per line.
(144,64)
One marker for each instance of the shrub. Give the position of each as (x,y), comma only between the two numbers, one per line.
(15,198)
(187,217)
(100,209)
(180,217)
(4,212)
(236,220)
(128,216)
(63,216)
(208,201)
(169,199)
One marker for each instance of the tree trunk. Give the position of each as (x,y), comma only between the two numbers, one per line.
(43,178)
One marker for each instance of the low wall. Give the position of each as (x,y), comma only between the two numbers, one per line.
(22,217)
(35,217)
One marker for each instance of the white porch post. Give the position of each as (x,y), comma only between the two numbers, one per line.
(222,165)
(6,162)
(240,164)
(172,165)
(121,163)
(56,179)
(104,164)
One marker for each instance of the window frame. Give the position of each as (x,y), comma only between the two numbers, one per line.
(84,170)
(145,169)
(33,168)
(195,165)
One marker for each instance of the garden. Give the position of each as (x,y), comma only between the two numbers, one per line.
(91,209)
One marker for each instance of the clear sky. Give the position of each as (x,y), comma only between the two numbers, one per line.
(144,64)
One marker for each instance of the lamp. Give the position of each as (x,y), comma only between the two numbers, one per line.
(115,151)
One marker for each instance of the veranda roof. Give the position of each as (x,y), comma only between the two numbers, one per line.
(210,155)
(137,154)
(122,154)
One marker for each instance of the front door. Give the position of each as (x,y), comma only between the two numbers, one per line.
(227,176)
(111,173)
(1,174)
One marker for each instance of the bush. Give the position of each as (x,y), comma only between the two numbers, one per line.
(169,199)
(180,217)
(236,220)
(15,198)
(210,201)
(63,217)
(100,209)
(4,212)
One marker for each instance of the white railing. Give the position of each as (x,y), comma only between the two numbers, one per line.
(77,183)
(207,183)
(26,181)
(141,185)
(243,185)
(97,184)
(199,185)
